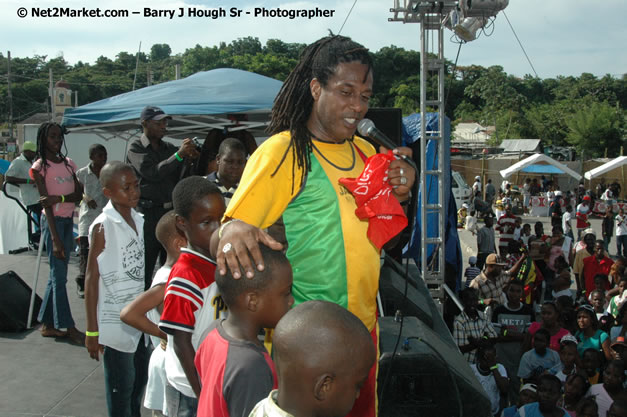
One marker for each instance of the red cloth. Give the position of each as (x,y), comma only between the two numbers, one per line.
(375,201)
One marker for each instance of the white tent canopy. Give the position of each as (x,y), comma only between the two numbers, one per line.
(600,170)
(533,159)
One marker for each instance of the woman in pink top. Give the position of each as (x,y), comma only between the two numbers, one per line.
(550,322)
(54,175)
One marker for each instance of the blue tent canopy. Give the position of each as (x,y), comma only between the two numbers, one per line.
(197,104)
(542,169)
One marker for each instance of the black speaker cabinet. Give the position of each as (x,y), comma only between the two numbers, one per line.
(14,301)
(426,377)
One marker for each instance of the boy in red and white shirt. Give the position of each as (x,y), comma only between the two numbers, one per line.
(192,301)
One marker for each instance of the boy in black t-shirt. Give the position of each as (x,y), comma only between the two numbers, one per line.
(515,317)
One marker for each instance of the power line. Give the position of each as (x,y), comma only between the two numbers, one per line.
(349,13)
(519,43)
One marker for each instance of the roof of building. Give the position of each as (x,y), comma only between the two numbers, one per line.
(520,145)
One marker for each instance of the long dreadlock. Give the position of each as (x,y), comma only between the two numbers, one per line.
(42,139)
(293,105)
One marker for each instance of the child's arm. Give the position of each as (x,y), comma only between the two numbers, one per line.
(92,277)
(46,202)
(182,344)
(134,314)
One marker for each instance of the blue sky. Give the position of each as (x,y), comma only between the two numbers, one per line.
(561,37)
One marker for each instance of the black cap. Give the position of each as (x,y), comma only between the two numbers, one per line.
(153,113)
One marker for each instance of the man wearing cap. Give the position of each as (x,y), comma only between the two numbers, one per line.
(158,166)
(476,187)
(491,282)
(18,175)
(582,215)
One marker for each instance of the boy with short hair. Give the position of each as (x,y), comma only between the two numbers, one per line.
(568,358)
(91,206)
(192,300)
(235,369)
(231,160)
(324,381)
(539,359)
(115,276)
(144,313)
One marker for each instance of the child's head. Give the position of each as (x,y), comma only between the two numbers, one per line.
(514,291)
(614,374)
(600,281)
(539,228)
(323,355)
(49,139)
(599,249)
(469,299)
(549,392)
(473,213)
(486,355)
(231,160)
(528,394)
(169,236)
(590,361)
(575,387)
(265,298)
(526,229)
(199,207)
(549,313)
(541,340)
(518,222)
(472,261)
(622,284)
(98,155)
(586,317)
(597,299)
(587,407)
(568,351)
(120,184)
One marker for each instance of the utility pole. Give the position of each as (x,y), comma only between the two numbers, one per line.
(6,147)
(136,65)
(50,97)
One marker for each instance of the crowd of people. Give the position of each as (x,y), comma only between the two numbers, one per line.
(239,246)
(537,345)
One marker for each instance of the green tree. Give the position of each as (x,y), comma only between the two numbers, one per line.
(160,52)
(595,128)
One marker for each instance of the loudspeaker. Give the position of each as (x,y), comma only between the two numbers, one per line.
(14,301)
(389,121)
(427,376)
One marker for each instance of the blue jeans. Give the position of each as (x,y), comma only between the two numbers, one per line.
(180,405)
(55,307)
(126,375)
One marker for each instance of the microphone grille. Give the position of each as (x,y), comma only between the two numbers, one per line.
(364,127)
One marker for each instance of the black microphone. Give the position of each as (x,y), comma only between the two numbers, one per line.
(367,128)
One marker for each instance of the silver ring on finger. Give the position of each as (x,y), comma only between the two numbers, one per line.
(402,172)
(227,247)
(403,180)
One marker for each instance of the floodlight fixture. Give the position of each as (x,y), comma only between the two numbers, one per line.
(467,29)
(482,8)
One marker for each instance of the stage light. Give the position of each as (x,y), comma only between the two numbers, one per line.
(482,8)
(468,28)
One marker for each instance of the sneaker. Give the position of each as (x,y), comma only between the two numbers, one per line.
(80,287)
(47,331)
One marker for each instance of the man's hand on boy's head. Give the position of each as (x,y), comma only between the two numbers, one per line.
(93,347)
(239,241)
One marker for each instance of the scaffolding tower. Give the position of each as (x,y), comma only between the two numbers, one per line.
(430,15)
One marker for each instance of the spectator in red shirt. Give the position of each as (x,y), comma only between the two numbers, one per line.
(598,263)
(506,225)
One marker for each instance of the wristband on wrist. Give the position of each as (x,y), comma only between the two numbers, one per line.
(505,332)
(92,334)
(27,180)
(481,302)
(176,155)
(221,229)
(492,368)
(62,198)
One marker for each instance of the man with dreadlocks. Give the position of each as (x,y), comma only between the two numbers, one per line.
(293,178)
